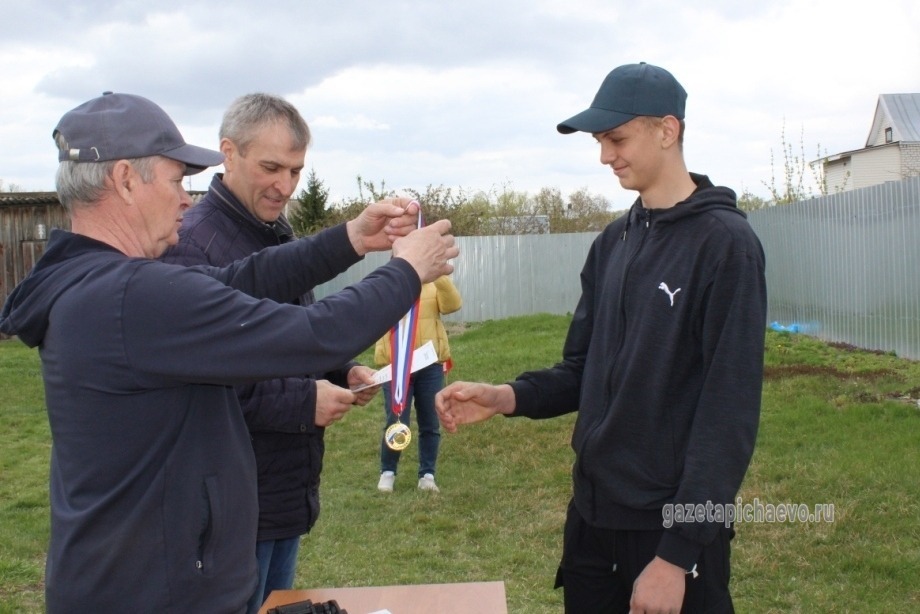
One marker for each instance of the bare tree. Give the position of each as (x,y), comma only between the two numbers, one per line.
(10,187)
(795,170)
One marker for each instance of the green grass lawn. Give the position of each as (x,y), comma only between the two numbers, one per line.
(838,426)
(25,444)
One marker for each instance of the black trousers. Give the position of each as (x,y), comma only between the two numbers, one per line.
(599,567)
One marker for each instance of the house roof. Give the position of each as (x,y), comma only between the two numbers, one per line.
(901,113)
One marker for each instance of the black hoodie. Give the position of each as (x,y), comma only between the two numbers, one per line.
(153,480)
(664,364)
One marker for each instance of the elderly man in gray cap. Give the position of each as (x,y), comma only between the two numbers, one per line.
(663,363)
(153,485)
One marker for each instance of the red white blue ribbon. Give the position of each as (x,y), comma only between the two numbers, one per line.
(402,345)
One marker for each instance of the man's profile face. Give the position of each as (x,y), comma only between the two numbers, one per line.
(161,203)
(265,175)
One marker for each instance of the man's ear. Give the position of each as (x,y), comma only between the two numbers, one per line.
(670,130)
(230,151)
(124,179)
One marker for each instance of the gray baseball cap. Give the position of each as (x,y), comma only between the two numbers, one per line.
(123,126)
(629,91)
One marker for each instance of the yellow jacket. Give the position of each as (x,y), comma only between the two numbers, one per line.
(440,296)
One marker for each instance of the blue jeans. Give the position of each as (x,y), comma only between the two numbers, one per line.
(424,384)
(277,562)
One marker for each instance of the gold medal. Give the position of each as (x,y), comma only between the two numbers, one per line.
(397,436)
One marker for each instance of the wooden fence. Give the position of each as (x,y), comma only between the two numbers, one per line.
(26,219)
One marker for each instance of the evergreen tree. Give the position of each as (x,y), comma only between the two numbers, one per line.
(310,214)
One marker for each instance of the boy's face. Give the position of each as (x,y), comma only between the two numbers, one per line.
(634,151)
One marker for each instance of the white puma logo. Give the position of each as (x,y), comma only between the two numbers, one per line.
(663,286)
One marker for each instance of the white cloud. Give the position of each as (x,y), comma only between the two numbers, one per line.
(352,122)
(463,94)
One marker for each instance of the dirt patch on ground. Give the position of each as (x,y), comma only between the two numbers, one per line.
(911,396)
(846,347)
(455,328)
(782,371)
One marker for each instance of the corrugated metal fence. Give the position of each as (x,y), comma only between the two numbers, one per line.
(504,276)
(843,268)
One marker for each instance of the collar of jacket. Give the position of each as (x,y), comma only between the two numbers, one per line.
(639,214)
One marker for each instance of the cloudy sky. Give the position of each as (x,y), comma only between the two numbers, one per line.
(463,94)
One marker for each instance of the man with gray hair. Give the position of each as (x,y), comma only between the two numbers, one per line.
(153,480)
(264,140)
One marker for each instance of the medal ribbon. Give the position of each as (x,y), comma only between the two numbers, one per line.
(402,345)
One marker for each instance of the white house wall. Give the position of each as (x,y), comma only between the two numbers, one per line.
(867,167)
(910,159)
(836,175)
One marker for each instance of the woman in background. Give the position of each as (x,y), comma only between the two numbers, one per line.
(438,297)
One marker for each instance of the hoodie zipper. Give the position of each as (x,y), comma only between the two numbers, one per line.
(591,433)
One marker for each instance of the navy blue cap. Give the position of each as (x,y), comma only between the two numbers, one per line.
(628,92)
(123,126)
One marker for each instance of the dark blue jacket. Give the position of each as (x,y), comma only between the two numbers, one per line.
(280,413)
(153,479)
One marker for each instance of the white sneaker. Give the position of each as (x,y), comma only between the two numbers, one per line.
(426,482)
(386,481)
